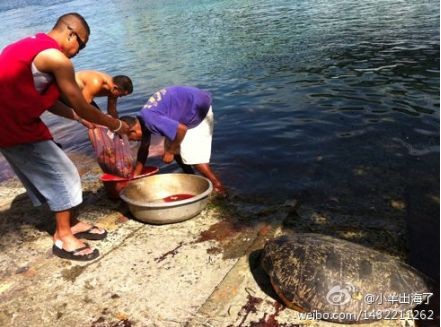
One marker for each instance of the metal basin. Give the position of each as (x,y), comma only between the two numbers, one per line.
(167,198)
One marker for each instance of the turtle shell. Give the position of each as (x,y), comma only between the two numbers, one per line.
(344,281)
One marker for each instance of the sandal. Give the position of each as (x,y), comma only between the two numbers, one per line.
(88,235)
(57,249)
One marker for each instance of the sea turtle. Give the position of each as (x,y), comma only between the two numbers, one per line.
(341,281)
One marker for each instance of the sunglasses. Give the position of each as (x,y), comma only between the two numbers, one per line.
(81,43)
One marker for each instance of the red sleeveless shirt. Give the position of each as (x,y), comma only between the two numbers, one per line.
(20,103)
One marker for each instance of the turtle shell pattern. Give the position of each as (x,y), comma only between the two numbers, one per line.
(313,272)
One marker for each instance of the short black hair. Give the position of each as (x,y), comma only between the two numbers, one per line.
(130,120)
(123,82)
(62,19)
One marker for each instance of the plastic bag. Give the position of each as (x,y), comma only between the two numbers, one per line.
(113,152)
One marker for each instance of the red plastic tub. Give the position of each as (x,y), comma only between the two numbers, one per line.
(115,184)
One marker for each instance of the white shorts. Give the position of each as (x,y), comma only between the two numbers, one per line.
(196,146)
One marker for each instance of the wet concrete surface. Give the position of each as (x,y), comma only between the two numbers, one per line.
(201,272)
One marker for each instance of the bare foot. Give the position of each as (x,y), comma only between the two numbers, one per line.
(83,227)
(220,191)
(71,243)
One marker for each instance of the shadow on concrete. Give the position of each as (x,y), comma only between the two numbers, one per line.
(22,213)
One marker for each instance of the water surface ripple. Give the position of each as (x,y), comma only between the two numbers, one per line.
(309,96)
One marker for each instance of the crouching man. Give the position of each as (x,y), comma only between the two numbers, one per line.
(183,115)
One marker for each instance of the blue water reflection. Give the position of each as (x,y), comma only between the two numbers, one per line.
(306,93)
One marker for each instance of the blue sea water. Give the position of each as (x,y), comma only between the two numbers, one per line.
(333,97)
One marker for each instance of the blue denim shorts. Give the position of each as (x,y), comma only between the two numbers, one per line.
(47,173)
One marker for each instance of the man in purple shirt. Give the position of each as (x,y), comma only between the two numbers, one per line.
(183,115)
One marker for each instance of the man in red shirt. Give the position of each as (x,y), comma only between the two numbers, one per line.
(34,72)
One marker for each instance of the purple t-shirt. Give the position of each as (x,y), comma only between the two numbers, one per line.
(173,105)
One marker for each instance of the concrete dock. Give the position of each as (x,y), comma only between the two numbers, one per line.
(201,272)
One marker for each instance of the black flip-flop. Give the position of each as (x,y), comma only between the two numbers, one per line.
(72,255)
(88,235)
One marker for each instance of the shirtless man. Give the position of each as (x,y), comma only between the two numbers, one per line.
(97,84)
